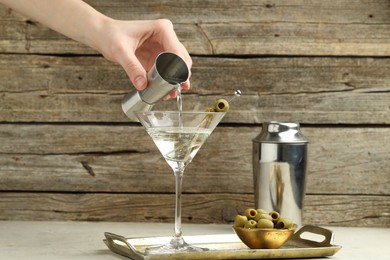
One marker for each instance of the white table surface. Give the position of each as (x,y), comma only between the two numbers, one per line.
(83,240)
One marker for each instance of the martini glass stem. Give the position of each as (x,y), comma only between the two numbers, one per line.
(178,190)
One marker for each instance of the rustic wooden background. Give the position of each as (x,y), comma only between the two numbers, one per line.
(69,153)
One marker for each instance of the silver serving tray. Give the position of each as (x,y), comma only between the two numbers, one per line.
(228,246)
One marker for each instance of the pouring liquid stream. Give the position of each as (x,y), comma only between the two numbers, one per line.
(179,105)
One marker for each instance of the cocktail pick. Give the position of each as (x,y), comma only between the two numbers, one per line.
(237,93)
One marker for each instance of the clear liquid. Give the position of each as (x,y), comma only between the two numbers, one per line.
(178,145)
(179,101)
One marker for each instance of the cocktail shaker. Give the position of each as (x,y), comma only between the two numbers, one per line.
(167,73)
(279,169)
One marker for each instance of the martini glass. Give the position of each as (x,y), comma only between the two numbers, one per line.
(178,136)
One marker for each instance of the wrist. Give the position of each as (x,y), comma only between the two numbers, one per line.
(97,33)
(95,30)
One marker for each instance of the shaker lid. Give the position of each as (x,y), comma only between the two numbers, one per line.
(279,132)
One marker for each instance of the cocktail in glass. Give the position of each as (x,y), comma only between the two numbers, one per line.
(178,136)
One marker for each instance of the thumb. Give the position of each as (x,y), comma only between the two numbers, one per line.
(135,71)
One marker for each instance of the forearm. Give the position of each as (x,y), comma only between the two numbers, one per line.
(132,44)
(72,18)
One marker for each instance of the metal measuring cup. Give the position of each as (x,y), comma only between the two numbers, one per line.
(168,72)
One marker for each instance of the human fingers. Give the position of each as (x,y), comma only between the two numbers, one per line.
(186,85)
(135,71)
(170,41)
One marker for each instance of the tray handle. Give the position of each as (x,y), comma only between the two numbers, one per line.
(125,249)
(328,236)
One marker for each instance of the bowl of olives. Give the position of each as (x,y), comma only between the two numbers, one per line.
(259,229)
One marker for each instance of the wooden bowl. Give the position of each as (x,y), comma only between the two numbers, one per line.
(264,238)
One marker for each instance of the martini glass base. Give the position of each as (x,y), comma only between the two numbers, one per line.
(176,245)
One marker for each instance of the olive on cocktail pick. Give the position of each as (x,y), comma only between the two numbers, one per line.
(221,105)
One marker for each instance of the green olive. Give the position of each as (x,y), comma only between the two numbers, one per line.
(265,223)
(263,216)
(262,211)
(284,223)
(210,109)
(221,105)
(239,221)
(275,216)
(250,224)
(250,213)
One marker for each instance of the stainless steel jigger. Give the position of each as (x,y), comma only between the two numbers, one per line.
(167,73)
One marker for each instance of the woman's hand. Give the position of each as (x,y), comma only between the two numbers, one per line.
(136,44)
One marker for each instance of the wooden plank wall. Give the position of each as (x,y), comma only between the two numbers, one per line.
(69,153)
